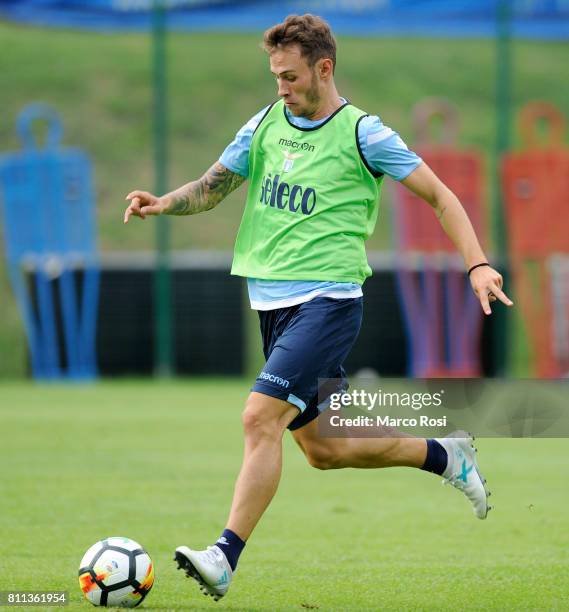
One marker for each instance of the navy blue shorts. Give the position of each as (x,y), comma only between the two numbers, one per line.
(304,343)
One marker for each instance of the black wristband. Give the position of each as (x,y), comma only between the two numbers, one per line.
(477,266)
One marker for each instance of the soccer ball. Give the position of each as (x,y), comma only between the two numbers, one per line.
(116,572)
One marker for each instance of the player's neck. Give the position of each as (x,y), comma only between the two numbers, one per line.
(329,104)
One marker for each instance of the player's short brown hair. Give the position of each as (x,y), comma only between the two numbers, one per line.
(310,32)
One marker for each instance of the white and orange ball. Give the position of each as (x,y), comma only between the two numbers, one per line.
(116,572)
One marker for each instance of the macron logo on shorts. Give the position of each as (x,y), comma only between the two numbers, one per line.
(276,379)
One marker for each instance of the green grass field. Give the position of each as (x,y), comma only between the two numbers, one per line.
(156,462)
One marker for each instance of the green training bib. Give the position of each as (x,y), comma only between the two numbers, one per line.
(312,201)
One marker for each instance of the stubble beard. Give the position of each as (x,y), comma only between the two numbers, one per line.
(312,99)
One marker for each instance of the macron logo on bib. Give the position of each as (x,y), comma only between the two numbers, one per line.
(294,144)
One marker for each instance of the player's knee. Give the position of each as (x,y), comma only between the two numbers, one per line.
(321,457)
(254,424)
(258,422)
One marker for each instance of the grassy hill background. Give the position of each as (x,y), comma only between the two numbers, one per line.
(101,86)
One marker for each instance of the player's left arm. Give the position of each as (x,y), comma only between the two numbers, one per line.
(486,282)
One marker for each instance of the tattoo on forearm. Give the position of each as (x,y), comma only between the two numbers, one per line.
(441,213)
(206,193)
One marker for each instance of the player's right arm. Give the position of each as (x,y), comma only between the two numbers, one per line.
(194,197)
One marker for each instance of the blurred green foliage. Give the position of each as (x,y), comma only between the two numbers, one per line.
(101,86)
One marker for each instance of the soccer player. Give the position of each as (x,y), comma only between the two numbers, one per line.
(315,165)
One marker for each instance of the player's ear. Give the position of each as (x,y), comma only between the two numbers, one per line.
(325,68)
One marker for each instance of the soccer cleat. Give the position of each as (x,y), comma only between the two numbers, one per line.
(462,471)
(209,568)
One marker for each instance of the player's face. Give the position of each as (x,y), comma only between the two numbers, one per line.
(298,83)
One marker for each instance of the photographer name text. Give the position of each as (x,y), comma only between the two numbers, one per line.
(386,421)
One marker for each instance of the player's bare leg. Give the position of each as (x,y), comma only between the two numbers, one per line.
(333,453)
(460,467)
(264,422)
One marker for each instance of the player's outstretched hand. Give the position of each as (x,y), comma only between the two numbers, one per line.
(141,204)
(487,285)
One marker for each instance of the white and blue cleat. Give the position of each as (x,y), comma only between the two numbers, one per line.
(209,568)
(462,471)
